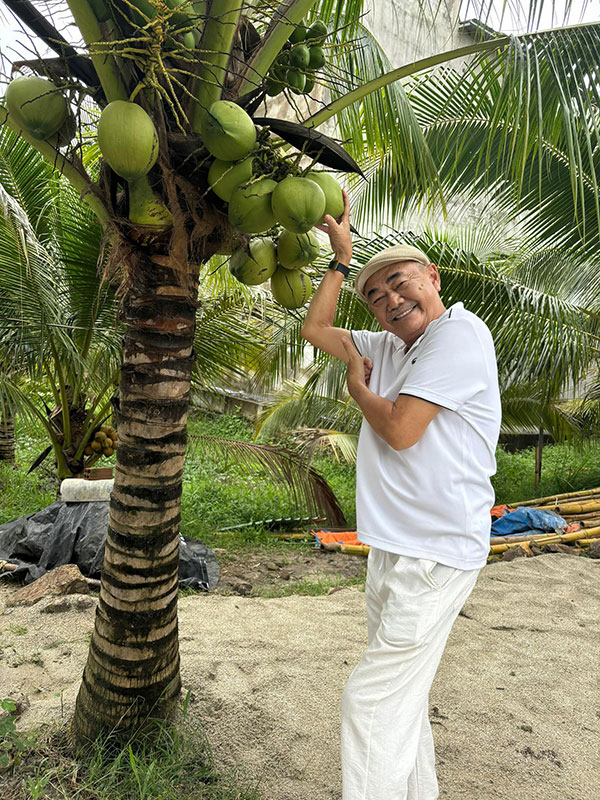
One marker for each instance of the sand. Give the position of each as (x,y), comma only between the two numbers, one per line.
(515,706)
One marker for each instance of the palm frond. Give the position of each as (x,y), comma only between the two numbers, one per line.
(307,489)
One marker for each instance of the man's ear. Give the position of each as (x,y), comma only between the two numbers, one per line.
(434,275)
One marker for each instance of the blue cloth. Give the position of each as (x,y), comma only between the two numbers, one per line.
(525,520)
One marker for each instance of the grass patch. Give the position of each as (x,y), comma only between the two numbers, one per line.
(168,762)
(218,492)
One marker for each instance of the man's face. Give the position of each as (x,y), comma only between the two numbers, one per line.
(405,298)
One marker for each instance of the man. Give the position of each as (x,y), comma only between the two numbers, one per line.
(428,389)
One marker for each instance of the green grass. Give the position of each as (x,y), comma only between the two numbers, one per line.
(166,761)
(564,469)
(218,493)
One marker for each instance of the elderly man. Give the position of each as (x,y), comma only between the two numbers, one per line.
(428,389)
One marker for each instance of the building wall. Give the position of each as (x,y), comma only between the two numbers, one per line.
(410,30)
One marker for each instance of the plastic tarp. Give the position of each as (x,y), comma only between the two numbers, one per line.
(75,533)
(527,520)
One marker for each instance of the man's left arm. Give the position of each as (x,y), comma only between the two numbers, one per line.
(401,423)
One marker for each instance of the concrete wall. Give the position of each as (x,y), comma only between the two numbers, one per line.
(410,30)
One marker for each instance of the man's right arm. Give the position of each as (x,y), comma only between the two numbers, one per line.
(318,325)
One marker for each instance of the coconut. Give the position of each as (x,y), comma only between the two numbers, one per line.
(36,105)
(316,57)
(250,206)
(291,287)
(296,80)
(295,250)
(224,176)
(309,83)
(298,204)
(227,131)
(334,199)
(255,265)
(300,56)
(317,31)
(273,87)
(127,139)
(299,33)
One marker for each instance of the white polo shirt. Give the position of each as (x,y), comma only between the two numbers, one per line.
(433,500)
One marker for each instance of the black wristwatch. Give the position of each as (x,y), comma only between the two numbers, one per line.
(337,266)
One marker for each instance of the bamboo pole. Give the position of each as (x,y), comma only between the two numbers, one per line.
(355,549)
(553,499)
(578,508)
(542,539)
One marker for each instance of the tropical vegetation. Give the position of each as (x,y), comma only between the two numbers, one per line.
(160,223)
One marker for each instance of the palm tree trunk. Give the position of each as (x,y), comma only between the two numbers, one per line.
(133,662)
(7,440)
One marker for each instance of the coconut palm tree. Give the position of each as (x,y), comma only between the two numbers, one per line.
(60,337)
(171,62)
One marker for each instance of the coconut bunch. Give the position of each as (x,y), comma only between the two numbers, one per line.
(103,443)
(300,59)
(258,202)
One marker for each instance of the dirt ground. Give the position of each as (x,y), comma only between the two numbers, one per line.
(267,571)
(515,706)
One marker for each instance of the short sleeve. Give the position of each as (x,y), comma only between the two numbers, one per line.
(368,343)
(452,366)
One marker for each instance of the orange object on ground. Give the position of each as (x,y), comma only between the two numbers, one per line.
(336,537)
(499,511)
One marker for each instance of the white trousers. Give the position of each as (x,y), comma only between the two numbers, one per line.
(387,745)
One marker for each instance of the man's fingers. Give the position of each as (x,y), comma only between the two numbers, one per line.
(346,214)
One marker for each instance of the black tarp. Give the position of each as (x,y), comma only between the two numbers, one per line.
(75,533)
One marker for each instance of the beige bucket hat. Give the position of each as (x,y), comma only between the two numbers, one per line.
(391,255)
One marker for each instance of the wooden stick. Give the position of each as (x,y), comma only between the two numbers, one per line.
(550,538)
(555,498)
(355,549)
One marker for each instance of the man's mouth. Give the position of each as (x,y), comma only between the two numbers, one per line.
(404,313)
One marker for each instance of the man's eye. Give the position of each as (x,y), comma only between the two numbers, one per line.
(374,302)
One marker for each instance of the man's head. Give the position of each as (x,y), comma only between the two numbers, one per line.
(401,287)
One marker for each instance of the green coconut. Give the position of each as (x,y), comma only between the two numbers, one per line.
(316,57)
(255,265)
(37,105)
(299,33)
(334,199)
(273,87)
(225,176)
(227,131)
(298,204)
(309,83)
(250,206)
(295,250)
(300,56)
(127,139)
(317,31)
(291,287)
(146,208)
(296,80)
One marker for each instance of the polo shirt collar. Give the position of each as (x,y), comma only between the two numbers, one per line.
(399,344)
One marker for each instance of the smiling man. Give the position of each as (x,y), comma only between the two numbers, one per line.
(428,389)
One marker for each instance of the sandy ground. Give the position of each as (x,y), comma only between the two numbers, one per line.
(515,705)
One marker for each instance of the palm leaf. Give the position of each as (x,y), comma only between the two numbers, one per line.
(307,489)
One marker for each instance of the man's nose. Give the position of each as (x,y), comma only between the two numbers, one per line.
(394,299)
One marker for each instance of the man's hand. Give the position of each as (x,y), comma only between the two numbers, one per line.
(339,234)
(359,368)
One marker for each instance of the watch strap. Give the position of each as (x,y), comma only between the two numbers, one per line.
(337,266)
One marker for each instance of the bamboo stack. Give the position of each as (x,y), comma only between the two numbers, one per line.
(582,507)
